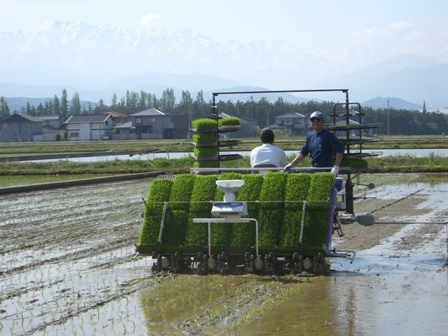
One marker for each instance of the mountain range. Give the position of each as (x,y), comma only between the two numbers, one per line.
(98,61)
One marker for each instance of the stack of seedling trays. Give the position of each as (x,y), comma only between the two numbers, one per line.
(207,141)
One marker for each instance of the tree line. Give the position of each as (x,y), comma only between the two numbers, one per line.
(262,111)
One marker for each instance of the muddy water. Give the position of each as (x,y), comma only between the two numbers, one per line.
(67,267)
(398,287)
(380,294)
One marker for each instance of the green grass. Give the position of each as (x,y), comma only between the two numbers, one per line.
(271,191)
(23,173)
(159,193)
(177,214)
(318,210)
(244,234)
(271,208)
(296,191)
(11,149)
(203,192)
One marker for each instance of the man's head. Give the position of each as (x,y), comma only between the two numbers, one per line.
(316,115)
(267,135)
(317,121)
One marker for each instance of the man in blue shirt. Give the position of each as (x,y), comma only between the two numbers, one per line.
(322,145)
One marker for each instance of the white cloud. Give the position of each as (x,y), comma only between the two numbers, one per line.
(151,21)
(400,26)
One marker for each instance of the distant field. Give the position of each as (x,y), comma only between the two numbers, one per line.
(182,145)
(13,172)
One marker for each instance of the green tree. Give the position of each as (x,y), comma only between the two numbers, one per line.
(56,105)
(28,108)
(168,100)
(151,101)
(114,104)
(132,99)
(185,106)
(101,107)
(264,106)
(76,104)
(4,109)
(40,110)
(201,109)
(141,106)
(155,102)
(64,104)
(48,108)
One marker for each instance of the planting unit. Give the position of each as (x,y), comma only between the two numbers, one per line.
(239,220)
(272,223)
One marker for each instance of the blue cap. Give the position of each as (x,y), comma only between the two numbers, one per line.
(316,114)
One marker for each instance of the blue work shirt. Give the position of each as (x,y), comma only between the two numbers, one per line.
(322,147)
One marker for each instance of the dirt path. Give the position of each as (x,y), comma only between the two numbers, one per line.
(68,265)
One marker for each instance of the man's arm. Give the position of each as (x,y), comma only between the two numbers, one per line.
(337,163)
(297,159)
(338,159)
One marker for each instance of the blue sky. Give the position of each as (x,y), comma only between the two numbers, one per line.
(314,23)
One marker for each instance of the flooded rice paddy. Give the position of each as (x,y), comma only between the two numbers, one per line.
(68,267)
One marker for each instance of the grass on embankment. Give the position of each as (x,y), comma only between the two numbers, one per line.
(20,173)
(14,149)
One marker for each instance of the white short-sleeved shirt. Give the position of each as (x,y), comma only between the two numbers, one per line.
(268,154)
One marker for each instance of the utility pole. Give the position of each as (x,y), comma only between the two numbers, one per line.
(252,106)
(388,129)
(189,120)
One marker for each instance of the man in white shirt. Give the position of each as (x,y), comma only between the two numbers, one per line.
(267,154)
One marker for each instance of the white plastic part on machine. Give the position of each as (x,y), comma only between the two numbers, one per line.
(230,207)
(229,187)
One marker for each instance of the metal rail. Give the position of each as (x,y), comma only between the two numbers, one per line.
(277,91)
(214,114)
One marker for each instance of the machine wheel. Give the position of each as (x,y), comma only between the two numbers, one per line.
(297,263)
(202,264)
(177,263)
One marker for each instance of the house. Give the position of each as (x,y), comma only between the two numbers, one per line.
(117,117)
(89,127)
(292,124)
(152,124)
(125,131)
(248,127)
(22,127)
(52,129)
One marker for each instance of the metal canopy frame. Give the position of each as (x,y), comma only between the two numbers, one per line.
(214,114)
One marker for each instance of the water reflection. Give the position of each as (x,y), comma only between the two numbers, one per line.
(381,299)
(385,152)
(386,291)
(308,312)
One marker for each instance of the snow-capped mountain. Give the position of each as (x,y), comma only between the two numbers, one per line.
(104,59)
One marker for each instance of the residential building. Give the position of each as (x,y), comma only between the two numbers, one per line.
(117,117)
(291,124)
(152,124)
(87,127)
(22,127)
